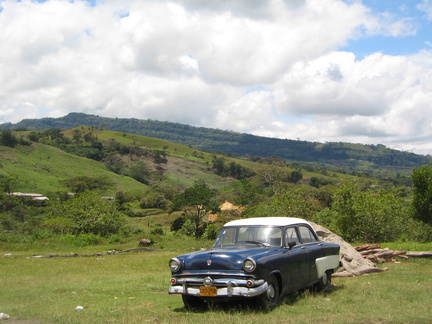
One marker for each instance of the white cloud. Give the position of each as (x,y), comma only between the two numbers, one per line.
(380,98)
(388,24)
(426,7)
(267,67)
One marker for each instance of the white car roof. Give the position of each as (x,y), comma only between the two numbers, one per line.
(267,221)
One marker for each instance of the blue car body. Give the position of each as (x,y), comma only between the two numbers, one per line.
(262,258)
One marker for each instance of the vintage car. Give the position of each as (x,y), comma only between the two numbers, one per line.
(261,258)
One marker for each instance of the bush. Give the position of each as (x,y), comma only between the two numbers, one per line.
(115,238)
(16,238)
(59,225)
(187,228)
(157,230)
(82,239)
(211,232)
(177,224)
(155,200)
(89,214)
(369,215)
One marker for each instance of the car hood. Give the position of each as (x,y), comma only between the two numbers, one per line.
(224,258)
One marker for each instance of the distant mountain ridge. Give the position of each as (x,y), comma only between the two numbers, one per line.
(240,144)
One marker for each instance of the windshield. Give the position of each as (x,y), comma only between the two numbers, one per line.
(257,235)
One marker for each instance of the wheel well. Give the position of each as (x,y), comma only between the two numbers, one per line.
(278,277)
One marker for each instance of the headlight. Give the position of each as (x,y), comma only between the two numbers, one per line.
(249,265)
(175,264)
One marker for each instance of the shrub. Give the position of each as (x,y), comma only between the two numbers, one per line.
(177,224)
(89,214)
(86,240)
(211,232)
(59,225)
(157,230)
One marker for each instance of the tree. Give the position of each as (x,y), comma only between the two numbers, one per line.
(114,162)
(295,176)
(7,138)
(140,172)
(219,165)
(196,201)
(81,184)
(368,215)
(87,213)
(249,192)
(8,184)
(422,191)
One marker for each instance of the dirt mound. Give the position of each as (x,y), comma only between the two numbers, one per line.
(353,263)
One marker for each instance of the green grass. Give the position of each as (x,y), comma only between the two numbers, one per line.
(408,246)
(39,168)
(132,288)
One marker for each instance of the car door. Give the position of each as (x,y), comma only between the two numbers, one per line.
(314,251)
(295,273)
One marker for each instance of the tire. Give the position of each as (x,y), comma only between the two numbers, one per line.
(270,298)
(325,282)
(192,302)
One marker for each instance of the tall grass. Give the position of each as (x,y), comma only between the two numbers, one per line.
(132,288)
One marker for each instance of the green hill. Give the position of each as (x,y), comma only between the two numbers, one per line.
(41,168)
(344,157)
(146,175)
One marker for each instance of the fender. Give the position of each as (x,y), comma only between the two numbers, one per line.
(330,262)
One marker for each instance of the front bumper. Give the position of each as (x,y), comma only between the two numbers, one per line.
(224,287)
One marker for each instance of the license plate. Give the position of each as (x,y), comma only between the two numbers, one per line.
(208,291)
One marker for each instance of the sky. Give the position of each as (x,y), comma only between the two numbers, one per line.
(357,71)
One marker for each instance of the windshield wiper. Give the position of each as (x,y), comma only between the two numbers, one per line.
(258,243)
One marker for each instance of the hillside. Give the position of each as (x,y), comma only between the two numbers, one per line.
(41,168)
(146,176)
(118,156)
(344,157)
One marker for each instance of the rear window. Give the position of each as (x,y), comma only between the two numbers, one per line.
(306,235)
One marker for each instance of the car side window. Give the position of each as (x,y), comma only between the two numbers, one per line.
(307,236)
(291,235)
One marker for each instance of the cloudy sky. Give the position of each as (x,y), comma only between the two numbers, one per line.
(318,70)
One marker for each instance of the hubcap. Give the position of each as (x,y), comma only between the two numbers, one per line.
(324,279)
(270,292)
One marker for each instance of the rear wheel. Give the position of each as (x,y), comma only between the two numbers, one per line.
(325,282)
(192,302)
(270,298)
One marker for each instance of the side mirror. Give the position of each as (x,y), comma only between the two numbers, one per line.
(291,244)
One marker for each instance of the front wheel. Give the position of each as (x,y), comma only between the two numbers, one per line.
(270,298)
(192,302)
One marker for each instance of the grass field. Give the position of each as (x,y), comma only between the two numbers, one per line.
(132,287)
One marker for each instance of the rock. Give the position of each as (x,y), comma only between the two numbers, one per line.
(353,263)
(145,242)
(4,316)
